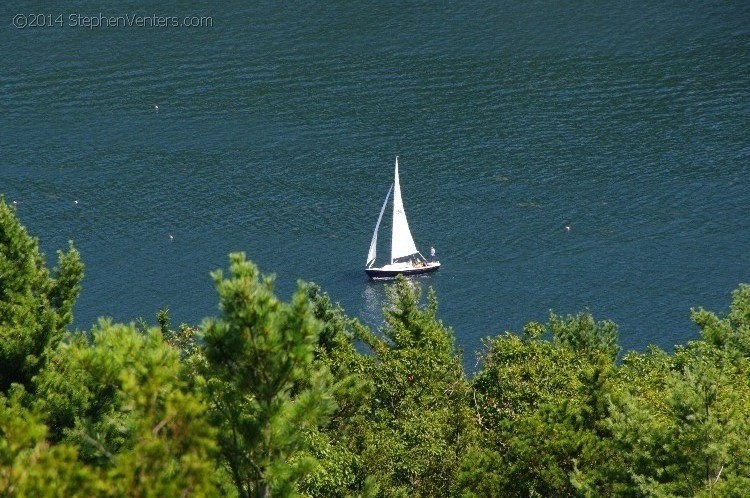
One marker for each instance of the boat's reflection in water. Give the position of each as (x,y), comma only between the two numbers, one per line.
(373,297)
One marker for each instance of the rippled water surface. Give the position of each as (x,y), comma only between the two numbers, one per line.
(277,128)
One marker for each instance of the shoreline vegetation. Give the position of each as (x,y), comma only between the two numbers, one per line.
(273,398)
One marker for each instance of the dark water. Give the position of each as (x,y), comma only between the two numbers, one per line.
(277,128)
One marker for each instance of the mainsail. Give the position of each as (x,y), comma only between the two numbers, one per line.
(374,243)
(402,244)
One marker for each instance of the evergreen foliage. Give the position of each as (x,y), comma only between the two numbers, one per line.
(340,470)
(419,423)
(263,385)
(36,306)
(276,398)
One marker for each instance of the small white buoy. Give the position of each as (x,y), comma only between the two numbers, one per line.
(567,228)
(15,202)
(171,237)
(75,201)
(156,108)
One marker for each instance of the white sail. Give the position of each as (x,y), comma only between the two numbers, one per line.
(374,243)
(402,244)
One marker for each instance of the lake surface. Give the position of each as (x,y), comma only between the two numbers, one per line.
(277,127)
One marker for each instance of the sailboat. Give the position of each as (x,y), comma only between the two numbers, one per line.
(405,258)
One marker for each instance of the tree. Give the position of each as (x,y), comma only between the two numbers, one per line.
(118,396)
(731,333)
(683,425)
(340,471)
(692,443)
(419,423)
(263,385)
(170,453)
(582,334)
(29,466)
(542,407)
(520,374)
(35,306)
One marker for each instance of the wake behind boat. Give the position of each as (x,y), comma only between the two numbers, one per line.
(405,258)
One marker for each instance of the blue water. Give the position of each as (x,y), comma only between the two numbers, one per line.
(278,125)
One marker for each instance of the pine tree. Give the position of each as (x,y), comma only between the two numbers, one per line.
(419,423)
(119,397)
(263,385)
(29,466)
(341,472)
(35,306)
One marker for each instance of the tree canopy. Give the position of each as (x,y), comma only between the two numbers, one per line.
(275,398)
